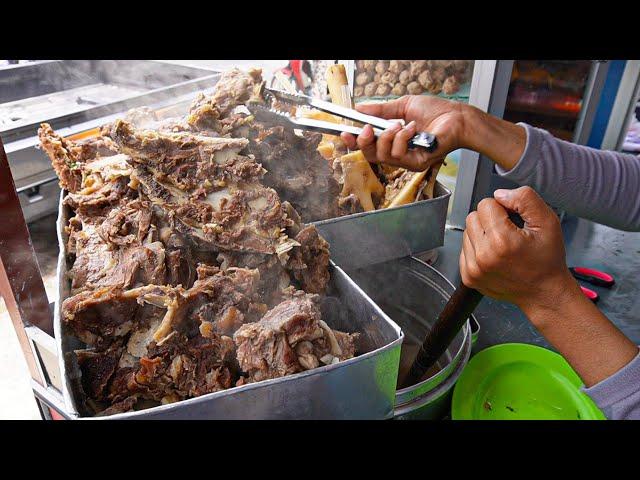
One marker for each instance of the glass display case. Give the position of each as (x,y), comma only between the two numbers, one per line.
(548,94)
(389,79)
(384,80)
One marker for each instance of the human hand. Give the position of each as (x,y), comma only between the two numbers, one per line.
(525,266)
(443,118)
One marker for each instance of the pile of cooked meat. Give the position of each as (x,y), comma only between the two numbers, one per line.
(191,270)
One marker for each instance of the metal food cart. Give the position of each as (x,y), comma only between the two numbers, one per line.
(32,315)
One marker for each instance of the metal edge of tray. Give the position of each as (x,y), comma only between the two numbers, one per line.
(153,95)
(62,292)
(363,238)
(380,370)
(408,394)
(432,396)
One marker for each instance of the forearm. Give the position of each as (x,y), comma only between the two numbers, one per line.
(501,141)
(585,337)
(602,186)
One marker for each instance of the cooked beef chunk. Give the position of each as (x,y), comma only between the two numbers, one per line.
(67,157)
(97,369)
(214,192)
(62,158)
(99,316)
(124,406)
(98,265)
(179,368)
(234,88)
(290,338)
(309,263)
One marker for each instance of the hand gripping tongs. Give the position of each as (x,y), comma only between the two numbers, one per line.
(279,99)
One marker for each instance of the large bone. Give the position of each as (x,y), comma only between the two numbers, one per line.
(360,180)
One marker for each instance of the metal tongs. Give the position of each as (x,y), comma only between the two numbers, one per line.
(277,98)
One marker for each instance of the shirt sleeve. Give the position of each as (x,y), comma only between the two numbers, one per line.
(602,186)
(618,396)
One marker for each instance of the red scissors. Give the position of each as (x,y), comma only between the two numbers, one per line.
(594,277)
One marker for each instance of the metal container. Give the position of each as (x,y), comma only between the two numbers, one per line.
(412,293)
(386,234)
(359,388)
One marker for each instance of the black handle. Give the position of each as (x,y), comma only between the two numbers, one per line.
(455,313)
(426,140)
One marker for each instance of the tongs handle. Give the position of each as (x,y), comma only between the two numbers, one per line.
(424,140)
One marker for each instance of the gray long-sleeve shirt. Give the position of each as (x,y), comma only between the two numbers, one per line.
(602,186)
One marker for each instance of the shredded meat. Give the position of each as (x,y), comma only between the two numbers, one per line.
(290,338)
(183,259)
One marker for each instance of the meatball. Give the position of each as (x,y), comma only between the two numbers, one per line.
(435,88)
(397,66)
(383,90)
(363,78)
(398,89)
(405,77)
(370,89)
(417,67)
(382,66)
(425,79)
(389,78)
(414,88)
(439,74)
(450,85)
(461,65)
(369,64)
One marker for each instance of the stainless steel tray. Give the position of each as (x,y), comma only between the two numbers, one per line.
(363,387)
(365,238)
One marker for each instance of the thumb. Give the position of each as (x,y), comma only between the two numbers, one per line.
(392,109)
(526,202)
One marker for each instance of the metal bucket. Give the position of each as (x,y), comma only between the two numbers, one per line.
(412,293)
(388,233)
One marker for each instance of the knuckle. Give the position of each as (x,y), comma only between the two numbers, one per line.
(422,163)
(484,203)
(470,219)
(483,263)
(474,271)
(500,244)
(466,279)
(527,192)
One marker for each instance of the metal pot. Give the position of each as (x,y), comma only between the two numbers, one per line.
(412,293)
